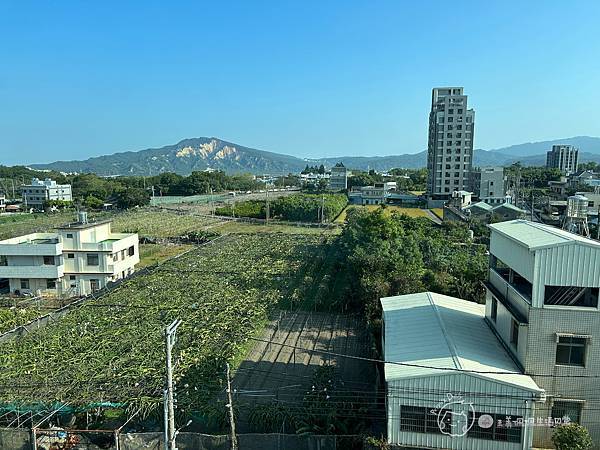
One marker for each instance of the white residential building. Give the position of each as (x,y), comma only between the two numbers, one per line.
(338,180)
(489,184)
(78,259)
(378,194)
(450,383)
(38,192)
(542,302)
(563,157)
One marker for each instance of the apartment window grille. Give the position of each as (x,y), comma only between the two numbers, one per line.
(562,409)
(499,429)
(92,259)
(48,260)
(24,284)
(50,284)
(420,419)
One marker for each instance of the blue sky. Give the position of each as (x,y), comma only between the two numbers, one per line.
(81,79)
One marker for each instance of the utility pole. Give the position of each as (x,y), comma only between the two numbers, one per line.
(532,200)
(170,432)
(234,443)
(323,208)
(267,201)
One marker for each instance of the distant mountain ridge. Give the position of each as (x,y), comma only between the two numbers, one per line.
(204,153)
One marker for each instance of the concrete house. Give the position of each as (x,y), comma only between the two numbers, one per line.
(450,384)
(38,192)
(78,259)
(542,303)
(338,180)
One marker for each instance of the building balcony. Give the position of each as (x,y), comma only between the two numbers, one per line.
(37,244)
(26,272)
(516,298)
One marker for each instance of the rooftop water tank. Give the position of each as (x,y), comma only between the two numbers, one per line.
(577,206)
(82,217)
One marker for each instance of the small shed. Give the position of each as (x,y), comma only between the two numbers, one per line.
(449,381)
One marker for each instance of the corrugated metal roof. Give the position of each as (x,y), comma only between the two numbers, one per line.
(482,205)
(535,235)
(442,332)
(511,207)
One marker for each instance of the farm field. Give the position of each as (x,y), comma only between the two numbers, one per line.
(156,253)
(111,349)
(285,373)
(159,223)
(411,212)
(19,224)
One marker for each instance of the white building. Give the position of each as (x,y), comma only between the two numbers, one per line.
(563,157)
(338,180)
(542,302)
(378,194)
(38,192)
(78,259)
(450,383)
(490,185)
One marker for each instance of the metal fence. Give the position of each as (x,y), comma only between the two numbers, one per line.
(22,439)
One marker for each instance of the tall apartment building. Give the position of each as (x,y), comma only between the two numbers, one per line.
(338,180)
(450,144)
(542,303)
(78,259)
(563,157)
(39,191)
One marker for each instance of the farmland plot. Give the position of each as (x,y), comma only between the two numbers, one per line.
(111,349)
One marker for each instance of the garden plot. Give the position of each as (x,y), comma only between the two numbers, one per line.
(111,349)
(275,372)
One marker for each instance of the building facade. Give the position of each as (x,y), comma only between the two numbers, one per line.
(378,194)
(40,191)
(338,180)
(563,157)
(78,259)
(542,303)
(450,144)
(450,384)
(490,185)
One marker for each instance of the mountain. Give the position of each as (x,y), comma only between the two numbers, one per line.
(184,157)
(203,153)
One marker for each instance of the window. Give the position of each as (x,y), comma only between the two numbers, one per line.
(94,285)
(48,260)
(450,119)
(115,257)
(570,351)
(70,255)
(494,312)
(131,251)
(451,111)
(460,111)
(92,259)
(572,410)
(3,260)
(514,333)
(122,254)
(72,277)
(69,235)
(420,419)
(50,284)
(24,284)
(502,428)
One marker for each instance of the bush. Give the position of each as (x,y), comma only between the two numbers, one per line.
(572,437)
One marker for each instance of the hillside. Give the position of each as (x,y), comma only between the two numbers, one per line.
(202,153)
(184,157)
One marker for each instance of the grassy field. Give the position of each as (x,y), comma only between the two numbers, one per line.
(439,212)
(252,228)
(19,224)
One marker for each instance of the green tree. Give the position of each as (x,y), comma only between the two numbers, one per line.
(93,202)
(131,197)
(571,437)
